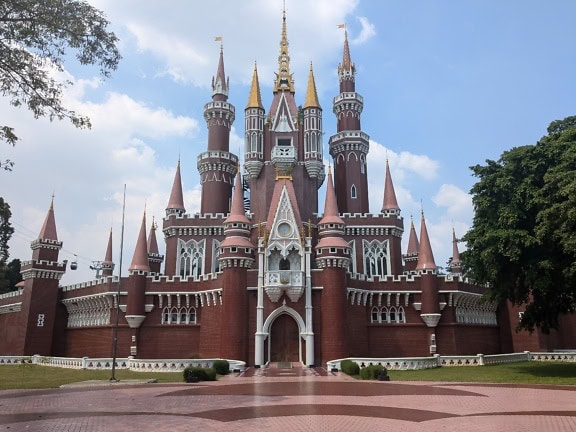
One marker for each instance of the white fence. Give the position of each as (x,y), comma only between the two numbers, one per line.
(414,363)
(139,365)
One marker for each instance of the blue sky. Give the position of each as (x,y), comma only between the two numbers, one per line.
(446,85)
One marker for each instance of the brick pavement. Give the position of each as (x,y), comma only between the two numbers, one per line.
(296,399)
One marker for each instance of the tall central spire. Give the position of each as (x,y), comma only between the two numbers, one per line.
(283,80)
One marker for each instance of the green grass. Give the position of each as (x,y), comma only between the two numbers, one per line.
(27,376)
(558,373)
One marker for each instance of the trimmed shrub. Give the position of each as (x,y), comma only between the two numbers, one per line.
(349,367)
(371,372)
(222,367)
(195,374)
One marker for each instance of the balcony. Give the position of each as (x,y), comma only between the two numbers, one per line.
(289,282)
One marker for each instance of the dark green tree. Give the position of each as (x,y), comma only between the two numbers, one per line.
(10,276)
(36,37)
(6,230)
(523,239)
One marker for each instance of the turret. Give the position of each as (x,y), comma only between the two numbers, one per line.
(236,257)
(138,271)
(389,204)
(154,257)
(333,257)
(108,264)
(40,295)
(312,113)
(426,268)
(217,166)
(349,146)
(176,202)
(411,255)
(254,130)
(455,264)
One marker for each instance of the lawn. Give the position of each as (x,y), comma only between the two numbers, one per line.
(558,373)
(28,376)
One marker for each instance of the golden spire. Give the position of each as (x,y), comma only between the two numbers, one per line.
(311,100)
(255,100)
(283,80)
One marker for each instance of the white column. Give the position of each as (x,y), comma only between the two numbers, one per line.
(260,335)
(309,328)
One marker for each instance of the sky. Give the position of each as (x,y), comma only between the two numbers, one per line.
(446,85)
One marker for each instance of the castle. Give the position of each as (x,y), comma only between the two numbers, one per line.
(267,278)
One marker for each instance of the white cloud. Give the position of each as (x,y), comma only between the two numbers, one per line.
(458,203)
(368,31)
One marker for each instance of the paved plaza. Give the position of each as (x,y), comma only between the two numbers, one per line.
(297,399)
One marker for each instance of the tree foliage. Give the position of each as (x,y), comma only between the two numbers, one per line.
(523,239)
(6,230)
(35,39)
(10,276)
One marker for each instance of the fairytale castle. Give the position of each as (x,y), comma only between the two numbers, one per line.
(267,278)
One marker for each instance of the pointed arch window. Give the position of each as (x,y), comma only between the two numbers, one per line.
(306,144)
(191,258)
(254,142)
(376,258)
(314,142)
(353,194)
(215,255)
(352,266)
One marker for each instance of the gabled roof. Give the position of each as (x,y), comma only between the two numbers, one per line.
(283,189)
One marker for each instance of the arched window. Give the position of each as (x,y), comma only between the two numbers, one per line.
(375,315)
(376,258)
(284,264)
(392,317)
(353,192)
(254,142)
(173,316)
(215,254)
(183,316)
(401,317)
(314,143)
(191,258)
(352,265)
(192,316)
(306,145)
(383,315)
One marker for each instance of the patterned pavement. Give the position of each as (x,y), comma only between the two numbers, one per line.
(297,399)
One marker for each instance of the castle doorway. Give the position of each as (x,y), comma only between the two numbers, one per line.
(284,340)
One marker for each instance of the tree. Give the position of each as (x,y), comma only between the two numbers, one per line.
(523,239)
(35,38)
(10,276)
(6,230)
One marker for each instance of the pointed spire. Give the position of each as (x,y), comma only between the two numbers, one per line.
(255,100)
(346,67)
(330,205)
(219,82)
(176,201)
(283,80)
(152,242)
(140,258)
(108,257)
(48,231)
(311,93)
(390,202)
(413,244)
(425,255)
(455,252)
(237,213)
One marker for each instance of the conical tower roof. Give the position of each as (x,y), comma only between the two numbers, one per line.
(311,93)
(455,251)
(48,231)
(413,244)
(425,255)
(390,202)
(346,65)
(284,80)
(237,213)
(219,82)
(108,257)
(255,99)
(140,258)
(331,215)
(152,242)
(176,201)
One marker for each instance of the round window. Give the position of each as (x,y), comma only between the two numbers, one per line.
(284,229)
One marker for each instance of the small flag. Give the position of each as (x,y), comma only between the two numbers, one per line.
(218,38)
(341,25)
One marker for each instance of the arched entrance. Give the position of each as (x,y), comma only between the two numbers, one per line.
(284,339)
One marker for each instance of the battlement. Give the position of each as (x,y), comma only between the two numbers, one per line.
(12,294)
(87,284)
(158,279)
(387,279)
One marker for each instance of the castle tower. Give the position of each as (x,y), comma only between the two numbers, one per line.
(235,258)
(426,268)
(455,264)
(349,146)
(154,257)
(40,295)
(312,113)
(138,271)
(174,211)
(217,166)
(283,151)
(254,130)
(107,264)
(411,255)
(333,257)
(391,210)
